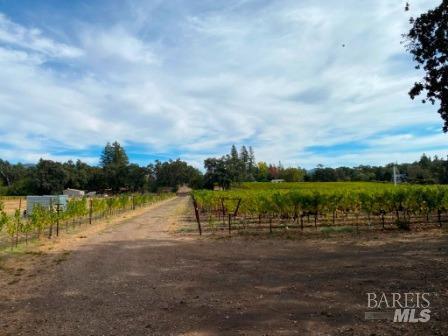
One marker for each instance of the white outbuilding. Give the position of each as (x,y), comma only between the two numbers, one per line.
(74,193)
(47,202)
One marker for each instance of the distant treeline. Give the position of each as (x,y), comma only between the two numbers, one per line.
(115,174)
(427,170)
(241,167)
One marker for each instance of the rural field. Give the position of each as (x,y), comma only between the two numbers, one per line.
(149,272)
(321,207)
(234,167)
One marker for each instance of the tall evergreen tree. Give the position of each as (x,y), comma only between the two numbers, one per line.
(252,164)
(114,161)
(234,154)
(114,154)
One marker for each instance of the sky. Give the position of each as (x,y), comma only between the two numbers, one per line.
(304,82)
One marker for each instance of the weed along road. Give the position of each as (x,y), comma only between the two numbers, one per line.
(139,277)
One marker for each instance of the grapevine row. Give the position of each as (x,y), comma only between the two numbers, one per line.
(47,220)
(400,203)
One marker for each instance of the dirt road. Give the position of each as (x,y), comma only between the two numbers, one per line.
(136,278)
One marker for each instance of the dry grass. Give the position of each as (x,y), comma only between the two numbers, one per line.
(11,205)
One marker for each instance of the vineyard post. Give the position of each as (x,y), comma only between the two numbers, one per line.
(270,224)
(295,215)
(223,210)
(18,222)
(133,202)
(196,212)
(90,210)
(230,224)
(58,209)
(235,213)
(50,231)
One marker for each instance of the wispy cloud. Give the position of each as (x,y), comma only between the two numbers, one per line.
(190,78)
(32,39)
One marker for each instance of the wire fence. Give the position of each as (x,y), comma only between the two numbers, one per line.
(49,222)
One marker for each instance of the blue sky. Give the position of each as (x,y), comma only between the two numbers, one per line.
(189,78)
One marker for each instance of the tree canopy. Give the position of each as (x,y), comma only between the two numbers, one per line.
(428,43)
(50,177)
(114,173)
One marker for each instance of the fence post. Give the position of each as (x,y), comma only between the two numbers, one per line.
(90,210)
(50,231)
(57,219)
(18,222)
(196,212)
(237,208)
(223,210)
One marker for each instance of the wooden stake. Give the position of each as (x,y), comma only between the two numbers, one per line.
(235,213)
(90,210)
(196,212)
(57,219)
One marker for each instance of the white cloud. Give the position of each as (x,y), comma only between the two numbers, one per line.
(33,39)
(116,43)
(275,76)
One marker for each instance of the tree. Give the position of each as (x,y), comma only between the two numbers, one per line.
(262,172)
(49,177)
(114,154)
(78,174)
(322,174)
(252,163)
(137,178)
(174,174)
(114,162)
(11,173)
(6,172)
(234,153)
(292,174)
(217,173)
(96,179)
(244,162)
(428,43)
(232,167)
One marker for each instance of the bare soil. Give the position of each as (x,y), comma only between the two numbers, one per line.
(12,205)
(141,277)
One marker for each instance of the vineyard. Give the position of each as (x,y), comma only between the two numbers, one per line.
(323,207)
(48,222)
(6,198)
